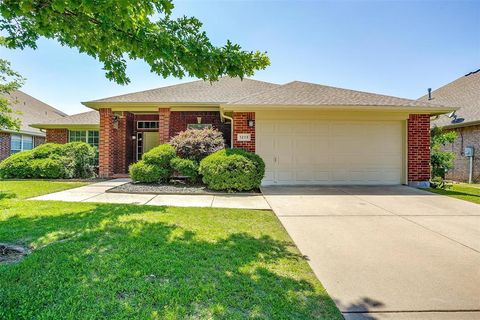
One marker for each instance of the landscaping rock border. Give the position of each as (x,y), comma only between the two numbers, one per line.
(171,188)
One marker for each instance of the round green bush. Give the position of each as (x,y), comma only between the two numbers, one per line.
(148,173)
(232,169)
(160,156)
(52,168)
(17,166)
(185,167)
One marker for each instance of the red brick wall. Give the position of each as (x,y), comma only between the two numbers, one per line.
(57,135)
(240,126)
(180,119)
(466,137)
(38,140)
(163,125)
(106,144)
(418,148)
(4,145)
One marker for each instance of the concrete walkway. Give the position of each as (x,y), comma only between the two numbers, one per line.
(97,193)
(387,252)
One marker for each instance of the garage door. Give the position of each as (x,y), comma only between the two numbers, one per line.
(330,151)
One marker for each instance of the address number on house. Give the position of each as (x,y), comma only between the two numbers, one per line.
(244,137)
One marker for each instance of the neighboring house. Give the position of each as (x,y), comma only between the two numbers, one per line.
(30,110)
(463,93)
(306,133)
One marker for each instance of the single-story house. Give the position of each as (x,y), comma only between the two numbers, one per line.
(28,110)
(464,94)
(306,133)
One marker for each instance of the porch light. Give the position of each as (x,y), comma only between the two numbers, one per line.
(199,120)
(134,138)
(251,123)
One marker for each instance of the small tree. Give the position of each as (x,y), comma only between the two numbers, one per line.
(440,159)
(195,144)
(9,82)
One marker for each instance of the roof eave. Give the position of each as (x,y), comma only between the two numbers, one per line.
(257,107)
(460,125)
(65,126)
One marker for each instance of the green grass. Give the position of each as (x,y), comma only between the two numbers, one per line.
(463,191)
(95,261)
(30,188)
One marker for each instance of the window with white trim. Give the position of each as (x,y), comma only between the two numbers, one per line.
(20,142)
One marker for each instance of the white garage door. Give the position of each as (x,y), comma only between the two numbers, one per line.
(330,151)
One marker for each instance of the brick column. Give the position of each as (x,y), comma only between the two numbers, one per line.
(57,136)
(163,125)
(240,125)
(4,145)
(106,143)
(419,150)
(120,149)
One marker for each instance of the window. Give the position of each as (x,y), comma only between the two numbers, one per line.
(147,124)
(90,137)
(198,126)
(20,142)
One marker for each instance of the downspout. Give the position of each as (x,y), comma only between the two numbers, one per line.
(223,116)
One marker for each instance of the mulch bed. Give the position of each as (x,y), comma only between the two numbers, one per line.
(171,188)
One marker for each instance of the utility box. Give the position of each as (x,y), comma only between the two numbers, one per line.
(468,152)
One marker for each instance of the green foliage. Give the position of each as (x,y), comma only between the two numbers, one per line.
(232,169)
(440,159)
(82,156)
(186,167)
(148,173)
(112,31)
(53,167)
(9,82)
(17,166)
(52,161)
(47,149)
(196,144)
(160,156)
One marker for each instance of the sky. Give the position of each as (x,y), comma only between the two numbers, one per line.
(397,48)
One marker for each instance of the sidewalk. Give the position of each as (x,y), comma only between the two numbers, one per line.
(97,193)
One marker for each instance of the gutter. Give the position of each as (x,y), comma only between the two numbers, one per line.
(223,116)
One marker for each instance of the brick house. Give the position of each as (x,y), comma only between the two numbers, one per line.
(464,94)
(29,110)
(306,133)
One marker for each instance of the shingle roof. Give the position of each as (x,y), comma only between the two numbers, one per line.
(222,91)
(463,93)
(84,118)
(32,110)
(311,94)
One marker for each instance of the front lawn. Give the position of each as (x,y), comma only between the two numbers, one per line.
(463,191)
(31,188)
(140,262)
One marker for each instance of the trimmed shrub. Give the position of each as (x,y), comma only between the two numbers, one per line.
(195,144)
(17,166)
(52,168)
(232,169)
(185,167)
(148,173)
(47,149)
(52,161)
(160,156)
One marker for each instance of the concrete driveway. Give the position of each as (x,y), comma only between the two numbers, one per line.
(387,252)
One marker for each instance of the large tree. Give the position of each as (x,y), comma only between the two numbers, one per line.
(113,31)
(9,82)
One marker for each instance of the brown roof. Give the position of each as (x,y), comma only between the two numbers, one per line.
(32,110)
(83,119)
(311,94)
(223,91)
(463,93)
